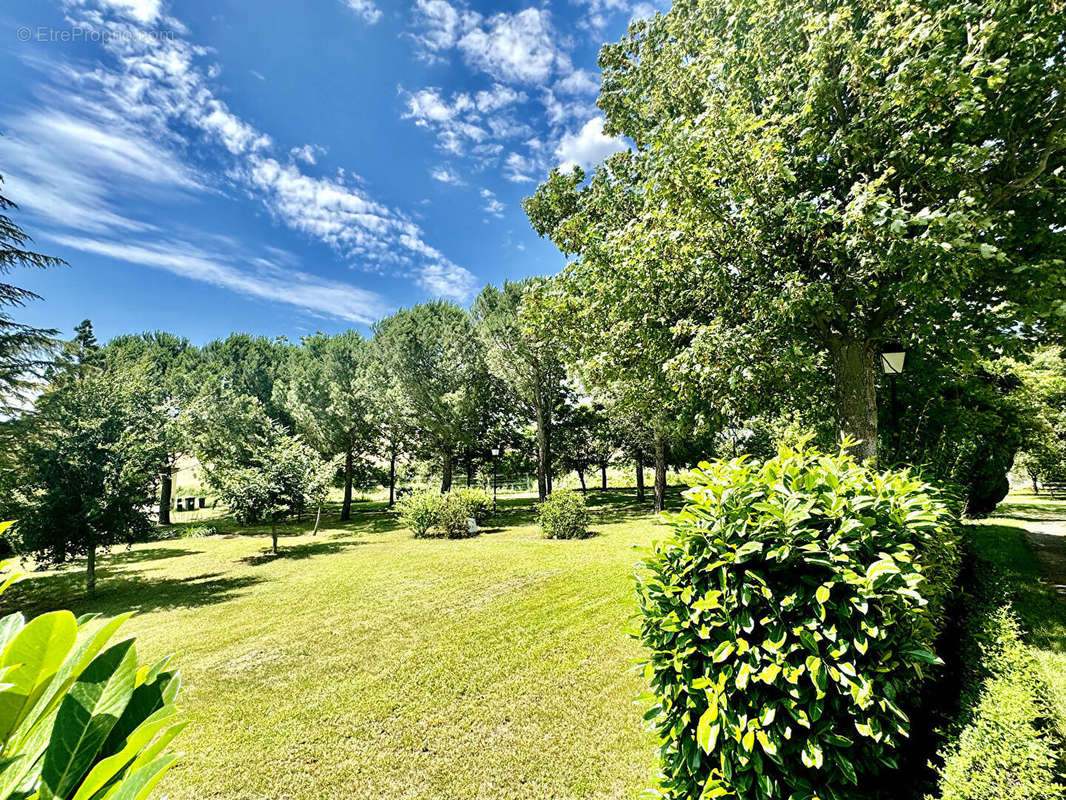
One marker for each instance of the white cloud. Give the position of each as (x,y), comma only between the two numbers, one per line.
(514,48)
(446,175)
(262,278)
(161,89)
(73,169)
(492,205)
(498,97)
(448,280)
(365,9)
(588,146)
(308,153)
(517,168)
(579,81)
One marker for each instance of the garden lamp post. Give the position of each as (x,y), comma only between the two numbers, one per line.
(892,358)
(495,455)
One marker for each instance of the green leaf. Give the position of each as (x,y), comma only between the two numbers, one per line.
(86,716)
(33,656)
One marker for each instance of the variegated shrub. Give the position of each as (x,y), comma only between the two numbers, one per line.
(793,605)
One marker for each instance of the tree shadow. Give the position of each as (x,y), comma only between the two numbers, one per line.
(146,554)
(119,592)
(299,552)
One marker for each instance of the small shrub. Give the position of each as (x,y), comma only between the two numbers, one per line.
(478,503)
(420,511)
(794,605)
(199,531)
(454,516)
(564,515)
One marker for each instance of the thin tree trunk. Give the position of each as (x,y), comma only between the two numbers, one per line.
(166,495)
(855,378)
(318,518)
(603,476)
(90,574)
(543,484)
(392,477)
(469,472)
(446,478)
(660,471)
(581,477)
(346,507)
(274,536)
(640,479)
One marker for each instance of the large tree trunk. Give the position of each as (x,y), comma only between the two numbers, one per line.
(603,476)
(640,478)
(855,378)
(660,471)
(346,507)
(446,478)
(392,477)
(90,569)
(166,495)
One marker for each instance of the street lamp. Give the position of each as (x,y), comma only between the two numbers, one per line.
(892,357)
(495,455)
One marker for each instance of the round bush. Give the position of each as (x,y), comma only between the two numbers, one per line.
(478,503)
(454,515)
(564,515)
(419,511)
(793,606)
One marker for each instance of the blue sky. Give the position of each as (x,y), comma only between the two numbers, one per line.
(282,168)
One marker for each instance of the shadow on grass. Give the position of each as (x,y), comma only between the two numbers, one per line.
(119,592)
(1037,592)
(146,554)
(298,552)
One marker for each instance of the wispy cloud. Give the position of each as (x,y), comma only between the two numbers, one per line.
(365,9)
(160,90)
(492,205)
(261,278)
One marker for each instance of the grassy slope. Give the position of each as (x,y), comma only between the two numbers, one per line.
(365,664)
(1001,539)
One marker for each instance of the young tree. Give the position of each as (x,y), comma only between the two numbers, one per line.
(88,468)
(526,357)
(23,349)
(434,361)
(259,471)
(328,393)
(810,180)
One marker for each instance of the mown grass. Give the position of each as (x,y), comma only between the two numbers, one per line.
(1002,541)
(362,663)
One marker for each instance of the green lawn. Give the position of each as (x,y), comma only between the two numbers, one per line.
(363,663)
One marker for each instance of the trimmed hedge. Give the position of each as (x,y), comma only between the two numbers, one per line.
(795,602)
(1004,746)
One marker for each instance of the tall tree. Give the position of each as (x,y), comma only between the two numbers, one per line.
(327,391)
(23,348)
(829,176)
(172,365)
(88,467)
(248,365)
(523,354)
(434,360)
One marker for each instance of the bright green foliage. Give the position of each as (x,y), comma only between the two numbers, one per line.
(563,515)
(453,517)
(477,502)
(419,511)
(88,466)
(428,513)
(795,603)
(78,721)
(1006,750)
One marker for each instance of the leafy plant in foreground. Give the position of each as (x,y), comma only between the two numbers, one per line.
(793,606)
(81,720)
(563,515)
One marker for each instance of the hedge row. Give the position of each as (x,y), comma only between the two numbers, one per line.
(793,607)
(1004,746)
